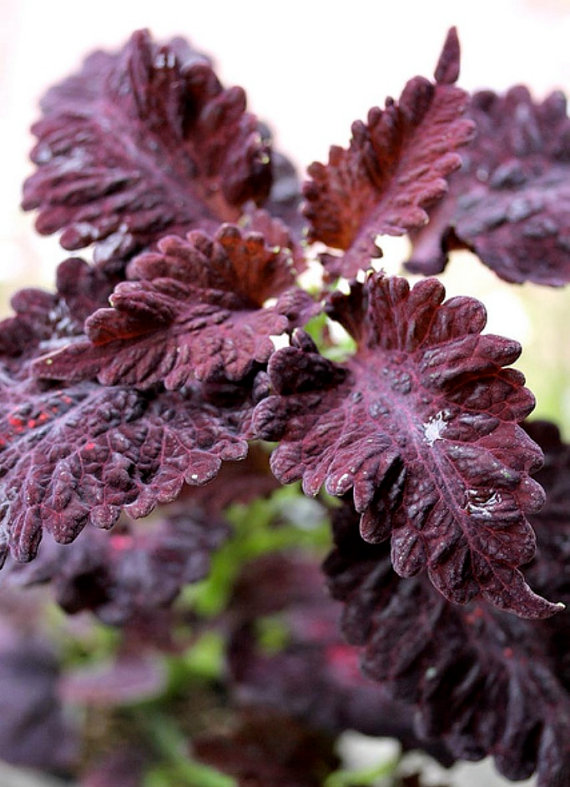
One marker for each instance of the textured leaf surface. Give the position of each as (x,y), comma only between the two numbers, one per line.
(482,681)
(195,310)
(129,574)
(83,454)
(394,169)
(142,143)
(237,482)
(45,320)
(510,202)
(422,425)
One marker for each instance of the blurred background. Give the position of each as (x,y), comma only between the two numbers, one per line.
(310,69)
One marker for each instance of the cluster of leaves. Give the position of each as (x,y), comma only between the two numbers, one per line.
(153,365)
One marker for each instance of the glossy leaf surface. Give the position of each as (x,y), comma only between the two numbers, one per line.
(83,454)
(142,143)
(421,423)
(195,309)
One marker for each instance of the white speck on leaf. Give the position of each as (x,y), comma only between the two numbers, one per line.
(433,429)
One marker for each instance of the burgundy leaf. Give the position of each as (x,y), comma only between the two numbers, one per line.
(315,676)
(83,454)
(195,310)
(422,425)
(510,202)
(269,748)
(394,170)
(129,574)
(142,143)
(480,680)
(44,320)
(277,233)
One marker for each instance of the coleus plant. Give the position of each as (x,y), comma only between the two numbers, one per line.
(153,367)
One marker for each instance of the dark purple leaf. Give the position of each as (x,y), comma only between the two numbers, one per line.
(510,202)
(482,681)
(143,143)
(315,675)
(269,748)
(194,310)
(131,573)
(393,171)
(422,424)
(45,320)
(83,454)
(35,731)
(128,678)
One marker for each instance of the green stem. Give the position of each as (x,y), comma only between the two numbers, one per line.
(358,778)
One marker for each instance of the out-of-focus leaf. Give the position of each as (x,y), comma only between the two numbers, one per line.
(510,202)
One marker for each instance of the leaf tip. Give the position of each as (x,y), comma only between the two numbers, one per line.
(447,69)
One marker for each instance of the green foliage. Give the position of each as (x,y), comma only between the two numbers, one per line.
(176,766)
(285,520)
(363,777)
